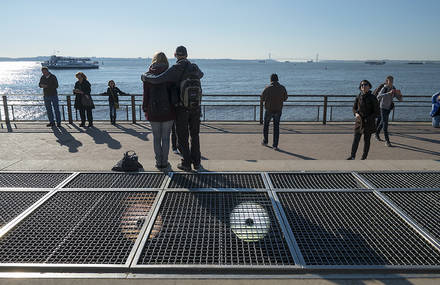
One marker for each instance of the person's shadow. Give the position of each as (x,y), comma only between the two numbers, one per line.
(65,138)
(103,137)
(141,135)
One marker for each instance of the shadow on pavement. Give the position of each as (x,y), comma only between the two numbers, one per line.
(65,138)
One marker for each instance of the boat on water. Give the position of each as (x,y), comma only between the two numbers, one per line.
(416,62)
(375,62)
(62,62)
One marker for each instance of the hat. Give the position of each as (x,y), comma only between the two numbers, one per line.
(181,51)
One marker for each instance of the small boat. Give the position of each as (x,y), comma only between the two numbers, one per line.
(375,62)
(310,61)
(62,62)
(415,62)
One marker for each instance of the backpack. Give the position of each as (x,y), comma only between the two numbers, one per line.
(128,163)
(159,103)
(190,91)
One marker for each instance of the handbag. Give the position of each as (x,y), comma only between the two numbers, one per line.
(130,162)
(86,101)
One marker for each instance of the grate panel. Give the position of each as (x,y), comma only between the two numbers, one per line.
(13,203)
(79,228)
(314,181)
(32,180)
(224,228)
(117,180)
(217,180)
(406,180)
(353,228)
(422,206)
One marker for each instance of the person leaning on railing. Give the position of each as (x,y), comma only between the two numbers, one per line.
(435,112)
(113,93)
(83,100)
(49,83)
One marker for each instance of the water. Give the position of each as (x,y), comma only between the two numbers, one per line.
(235,77)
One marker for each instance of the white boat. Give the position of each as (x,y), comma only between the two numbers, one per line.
(61,62)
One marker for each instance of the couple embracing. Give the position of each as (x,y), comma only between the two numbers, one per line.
(173,94)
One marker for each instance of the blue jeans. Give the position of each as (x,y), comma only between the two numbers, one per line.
(268,115)
(161,141)
(49,102)
(112,113)
(382,122)
(436,121)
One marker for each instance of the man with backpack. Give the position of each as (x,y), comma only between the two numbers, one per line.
(186,76)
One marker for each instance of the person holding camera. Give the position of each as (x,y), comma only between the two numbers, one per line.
(113,100)
(83,100)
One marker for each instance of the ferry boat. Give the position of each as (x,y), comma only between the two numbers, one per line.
(375,62)
(62,62)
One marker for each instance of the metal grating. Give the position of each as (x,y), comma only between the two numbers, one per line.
(408,180)
(32,180)
(217,180)
(353,228)
(314,181)
(223,228)
(422,206)
(117,180)
(79,228)
(13,203)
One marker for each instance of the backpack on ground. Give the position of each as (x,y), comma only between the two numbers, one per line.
(190,91)
(130,162)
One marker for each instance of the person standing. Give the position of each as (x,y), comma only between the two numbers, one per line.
(365,110)
(159,111)
(435,112)
(273,97)
(386,104)
(49,83)
(188,107)
(113,93)
(83,100)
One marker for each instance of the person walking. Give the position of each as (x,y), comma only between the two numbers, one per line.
(186,76)
(365,110)
(273,97)
(83,100)
(49,83)
(159,111)
(113,93)
(435,112)
(386,104)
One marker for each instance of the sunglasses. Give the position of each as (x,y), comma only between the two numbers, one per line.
(365,84)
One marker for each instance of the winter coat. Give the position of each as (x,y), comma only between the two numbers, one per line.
(367,106)
(113,94)
(274,96)
(435,105)
(86,88)
(163,90)
(52,85)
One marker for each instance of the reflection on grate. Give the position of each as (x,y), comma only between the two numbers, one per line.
(216,180)
(79,228)
(14,203)
(233,228)
(408,180)
(32,180)
(353,228)
(314,181)
(117,180)
(422,206)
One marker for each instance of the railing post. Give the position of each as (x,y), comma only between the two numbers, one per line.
(324,112)
(261,112)
(69,110)
(5,107)
(133,110)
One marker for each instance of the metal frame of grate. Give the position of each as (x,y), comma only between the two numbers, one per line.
(193,201)
(329,213)
(217,180)
(400,180)
(135,180)
(314,180)
(86,211)
(19,180)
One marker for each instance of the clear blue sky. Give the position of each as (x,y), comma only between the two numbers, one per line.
(238,29)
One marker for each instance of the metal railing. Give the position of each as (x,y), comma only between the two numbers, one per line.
(324,105)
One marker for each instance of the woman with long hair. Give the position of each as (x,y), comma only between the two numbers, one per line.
(83,100)
(159,111)
(113,93)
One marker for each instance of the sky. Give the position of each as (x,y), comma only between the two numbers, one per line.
(236,29)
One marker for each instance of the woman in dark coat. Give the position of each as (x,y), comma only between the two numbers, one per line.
(83,100)
(113,93)
(366,110)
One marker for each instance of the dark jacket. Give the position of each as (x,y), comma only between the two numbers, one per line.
(274,96)
(175,74)
(86,88)
(163,90)
(367,106)
(52,85)
(113,94)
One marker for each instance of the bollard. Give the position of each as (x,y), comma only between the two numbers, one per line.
(133,109)
(69,110)
(5,107)
(324,112)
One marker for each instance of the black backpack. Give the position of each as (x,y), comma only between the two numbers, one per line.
(190,90)
(128,163)
(159,100)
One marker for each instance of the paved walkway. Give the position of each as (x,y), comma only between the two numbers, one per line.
(228,146)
